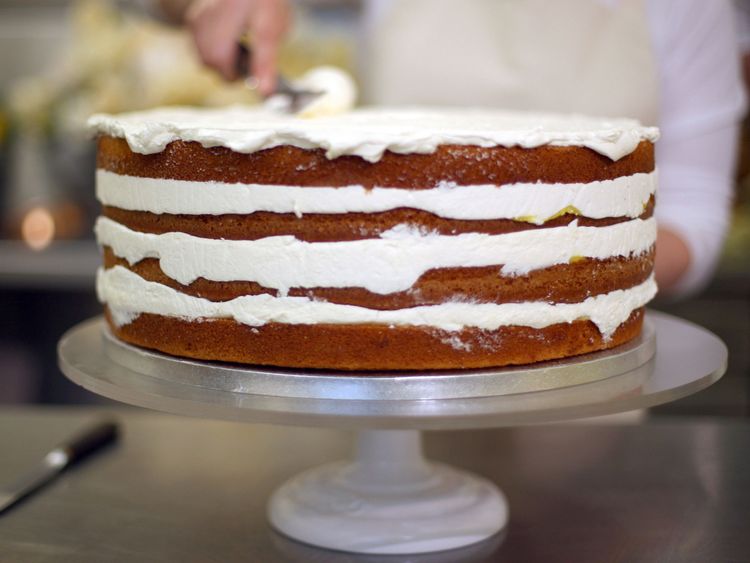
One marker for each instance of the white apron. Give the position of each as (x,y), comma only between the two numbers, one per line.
(586,56)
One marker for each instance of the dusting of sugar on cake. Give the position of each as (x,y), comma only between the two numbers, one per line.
(489,340)
(455,342)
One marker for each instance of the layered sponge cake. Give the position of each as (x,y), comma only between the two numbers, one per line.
(377,239)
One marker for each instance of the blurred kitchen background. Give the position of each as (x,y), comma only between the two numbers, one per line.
(61,60)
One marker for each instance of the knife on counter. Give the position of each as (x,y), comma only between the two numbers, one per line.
(57,460)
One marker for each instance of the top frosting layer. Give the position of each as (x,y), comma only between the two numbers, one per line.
(368,133)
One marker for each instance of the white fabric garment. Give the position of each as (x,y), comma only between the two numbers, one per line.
(582,56)
(702,101)
(672,63)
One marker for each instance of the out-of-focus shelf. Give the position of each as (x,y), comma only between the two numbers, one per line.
(64,265)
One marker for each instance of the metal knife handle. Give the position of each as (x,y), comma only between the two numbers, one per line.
(90,440)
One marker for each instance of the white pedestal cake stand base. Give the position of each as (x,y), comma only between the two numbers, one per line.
(389,499)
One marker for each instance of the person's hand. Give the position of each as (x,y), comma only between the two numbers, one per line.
(218,25)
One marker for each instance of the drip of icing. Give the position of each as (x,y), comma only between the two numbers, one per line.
(391,263)
(368,133)
(535,203)
(128,295)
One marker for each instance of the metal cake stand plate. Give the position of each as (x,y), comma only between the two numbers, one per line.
(389,499)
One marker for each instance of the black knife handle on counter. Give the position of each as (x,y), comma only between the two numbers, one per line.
(89,441)
(56,461)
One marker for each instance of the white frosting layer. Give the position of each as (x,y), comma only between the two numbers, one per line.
(622,197)
(368,133)
(391,263)
(129,295)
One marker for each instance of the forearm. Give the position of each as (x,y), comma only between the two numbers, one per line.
(693,206)
(672,259)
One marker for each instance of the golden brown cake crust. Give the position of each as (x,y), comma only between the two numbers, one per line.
(286,165)
(334,227)
(369,347)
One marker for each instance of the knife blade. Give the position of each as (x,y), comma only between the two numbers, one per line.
(56,461)
(296,97)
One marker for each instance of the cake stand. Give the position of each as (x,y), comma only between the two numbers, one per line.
(388,499)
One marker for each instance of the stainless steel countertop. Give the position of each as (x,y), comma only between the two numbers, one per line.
(178,489)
